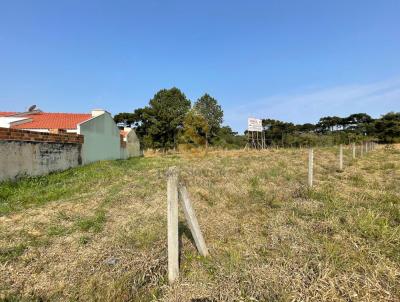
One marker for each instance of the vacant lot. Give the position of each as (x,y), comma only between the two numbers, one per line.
(99,232)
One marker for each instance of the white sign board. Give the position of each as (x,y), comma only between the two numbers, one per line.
(254,124)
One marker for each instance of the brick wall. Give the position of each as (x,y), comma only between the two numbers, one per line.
(32,158)
(9,134)
(29,153)
(57,131)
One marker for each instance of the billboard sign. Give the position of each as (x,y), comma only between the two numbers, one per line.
(254,124)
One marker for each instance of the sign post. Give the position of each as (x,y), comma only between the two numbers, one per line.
(254,126)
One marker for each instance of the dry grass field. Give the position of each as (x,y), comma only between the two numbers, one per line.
(98,233)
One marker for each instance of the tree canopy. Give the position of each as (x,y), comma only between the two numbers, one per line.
(160,122)
(387,128)
(209,108)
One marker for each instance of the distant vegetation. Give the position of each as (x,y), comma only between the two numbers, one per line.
(170,121)
(334,130)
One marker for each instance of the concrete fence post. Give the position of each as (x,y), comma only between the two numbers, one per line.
(192,221)
(310,167)
(341,157)
(173,236)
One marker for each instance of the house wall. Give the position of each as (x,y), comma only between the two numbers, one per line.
(123,153)
(27,153)
(102,139)
(133,144)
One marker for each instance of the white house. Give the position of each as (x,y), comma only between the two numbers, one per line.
(102,139)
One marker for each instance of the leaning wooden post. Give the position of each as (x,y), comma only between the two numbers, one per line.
(310,167)
(354,150)
(341,157)
(192,221)
(173,239)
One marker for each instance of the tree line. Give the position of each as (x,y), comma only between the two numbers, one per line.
(170,119)
(333,130)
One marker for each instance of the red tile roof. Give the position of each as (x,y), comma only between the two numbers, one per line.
(5,113)
(123,133)
(46,120)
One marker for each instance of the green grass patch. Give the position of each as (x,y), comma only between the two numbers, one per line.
(93,223)
(58,230)
(37,191)
(11,253)
(83,240)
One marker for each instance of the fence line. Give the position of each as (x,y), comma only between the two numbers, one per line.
(310,167)
(176,192)
(369,146)
(341,157)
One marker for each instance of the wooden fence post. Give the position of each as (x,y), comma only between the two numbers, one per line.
(341,157)
(310,167)
(354,150)
(173,236)
(362,150)
(192,221)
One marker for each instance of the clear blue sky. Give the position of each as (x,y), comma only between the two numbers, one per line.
(290,60)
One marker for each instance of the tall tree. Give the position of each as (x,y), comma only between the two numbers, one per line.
(208,107)
(124,117)
(159,123)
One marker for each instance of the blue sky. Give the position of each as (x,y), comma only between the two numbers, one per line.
(290,60)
